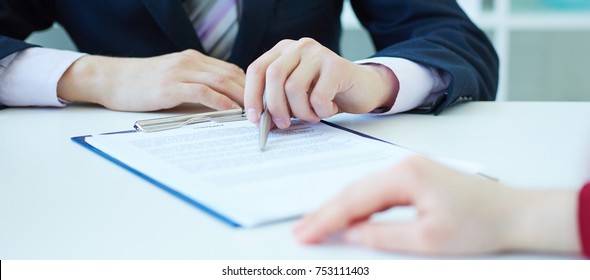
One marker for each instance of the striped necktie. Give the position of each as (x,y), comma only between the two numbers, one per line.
(216,24)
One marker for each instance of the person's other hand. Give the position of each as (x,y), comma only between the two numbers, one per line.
(306,80)
(457,214)
(148,84)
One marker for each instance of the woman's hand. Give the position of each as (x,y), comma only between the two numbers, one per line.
(457,214)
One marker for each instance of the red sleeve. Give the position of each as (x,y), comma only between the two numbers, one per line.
(584,219)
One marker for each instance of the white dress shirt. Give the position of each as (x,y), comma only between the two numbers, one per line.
(30,77)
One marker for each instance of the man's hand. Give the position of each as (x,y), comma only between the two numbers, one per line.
(457,214)
(148,84)
(306,80)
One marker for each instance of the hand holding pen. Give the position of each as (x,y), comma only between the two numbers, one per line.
(306,80)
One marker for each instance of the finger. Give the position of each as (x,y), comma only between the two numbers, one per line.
(276,76)
(204,63)
(255,82)
(229,69)
(362,199)
(221,84)
(322,96)
(200,58)
(396,236)
(297,87)
(199,93)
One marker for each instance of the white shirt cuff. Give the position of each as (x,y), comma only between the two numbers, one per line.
(417,83)
(30,77)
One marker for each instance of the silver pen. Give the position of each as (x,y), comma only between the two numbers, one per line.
(264,127)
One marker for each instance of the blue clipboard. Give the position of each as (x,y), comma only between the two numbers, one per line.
(82,141)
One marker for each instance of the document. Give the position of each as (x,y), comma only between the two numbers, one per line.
(220,168)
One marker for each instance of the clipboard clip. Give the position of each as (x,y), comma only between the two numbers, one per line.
(159,124)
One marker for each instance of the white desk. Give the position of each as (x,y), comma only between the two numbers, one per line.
(58,200)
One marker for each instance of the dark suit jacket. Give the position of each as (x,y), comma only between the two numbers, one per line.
(432,33)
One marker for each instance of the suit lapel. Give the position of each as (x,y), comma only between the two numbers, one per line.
(172,19)
(254,23)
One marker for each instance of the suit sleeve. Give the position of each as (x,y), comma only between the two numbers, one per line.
(20,18)
(436,34)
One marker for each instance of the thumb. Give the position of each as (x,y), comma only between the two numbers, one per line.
(396,236)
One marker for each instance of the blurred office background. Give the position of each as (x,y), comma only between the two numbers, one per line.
(544,45)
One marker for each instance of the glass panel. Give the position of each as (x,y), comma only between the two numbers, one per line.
(550,6)
(549,65)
